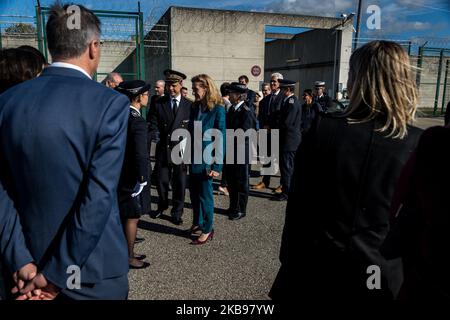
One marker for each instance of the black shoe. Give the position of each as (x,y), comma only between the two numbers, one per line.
(177,221)
(237,216)
(143,266)
(140,256)
(138,240)
(157,214)
(281,197)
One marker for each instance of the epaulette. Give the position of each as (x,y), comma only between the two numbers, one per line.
(245,107)
(135,114)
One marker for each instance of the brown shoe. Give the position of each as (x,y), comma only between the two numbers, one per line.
(278,190)
(259,186)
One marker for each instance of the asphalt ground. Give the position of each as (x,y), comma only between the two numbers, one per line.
(240,263)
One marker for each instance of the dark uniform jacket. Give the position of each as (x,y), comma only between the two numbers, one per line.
(152,135)
(135,165)
(309,115)
(290,124)
(162,120)
(326,102)
(331,238)
(242,118)
(269,111)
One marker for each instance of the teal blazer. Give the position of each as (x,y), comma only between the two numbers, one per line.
(210,119)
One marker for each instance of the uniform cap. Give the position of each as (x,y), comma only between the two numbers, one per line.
(173,76)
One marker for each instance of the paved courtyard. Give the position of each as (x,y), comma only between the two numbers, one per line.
(241,261)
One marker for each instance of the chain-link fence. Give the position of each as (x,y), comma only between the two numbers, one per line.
(125,34)
(431,69)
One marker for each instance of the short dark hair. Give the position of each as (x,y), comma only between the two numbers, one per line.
(65,42)
(224,89)
(308,92)
(36,52)
(244,77)
(17,66)
(184,88)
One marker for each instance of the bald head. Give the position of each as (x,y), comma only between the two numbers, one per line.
(113,79)
(159,87)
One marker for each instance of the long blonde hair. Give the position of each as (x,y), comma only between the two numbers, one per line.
(381,80)
(213,96)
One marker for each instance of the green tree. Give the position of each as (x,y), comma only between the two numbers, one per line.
(21,28)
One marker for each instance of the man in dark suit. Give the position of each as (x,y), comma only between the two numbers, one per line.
(239,116)
(290,135)
(62,146)
(251,95)
(171,112)
(269,112)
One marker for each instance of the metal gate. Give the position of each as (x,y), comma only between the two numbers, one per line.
(122,36)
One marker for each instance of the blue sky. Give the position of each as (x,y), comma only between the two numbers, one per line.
(419,20)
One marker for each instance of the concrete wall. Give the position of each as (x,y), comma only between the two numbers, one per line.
(14,41)
(201,43)
(227,44)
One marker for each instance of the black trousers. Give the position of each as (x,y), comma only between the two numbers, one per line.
(287,169)
(176,174)
(238,182)
(266,178)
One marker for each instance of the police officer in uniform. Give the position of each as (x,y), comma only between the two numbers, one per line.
(290,135)
(320,96)
(239,116)
(269,115)
(171,112)
(133,189)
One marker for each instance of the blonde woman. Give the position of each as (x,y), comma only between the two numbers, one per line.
(346,170)
(208,110)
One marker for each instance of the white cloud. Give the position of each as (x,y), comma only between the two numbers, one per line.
(312,7)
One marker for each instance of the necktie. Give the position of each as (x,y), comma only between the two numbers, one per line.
(269,108)
(174,107)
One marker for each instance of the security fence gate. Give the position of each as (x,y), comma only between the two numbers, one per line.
(122,35)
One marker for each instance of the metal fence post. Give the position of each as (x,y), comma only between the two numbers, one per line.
(445,87)
(438,83)
(39,28)
(419,66)
(141,45)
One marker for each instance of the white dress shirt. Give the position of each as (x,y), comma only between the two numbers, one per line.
(70,66)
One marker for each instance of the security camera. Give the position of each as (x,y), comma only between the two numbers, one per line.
(343,15)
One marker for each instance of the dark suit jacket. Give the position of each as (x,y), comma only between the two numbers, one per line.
(290,124)
(244,118)
(337,215)
(12,241)
(135,165)
(269,111)
(421,220)
(62,143)
(163,121)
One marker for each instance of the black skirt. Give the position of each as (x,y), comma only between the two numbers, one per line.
(130,208)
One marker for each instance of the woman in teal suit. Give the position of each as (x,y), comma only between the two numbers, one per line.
(208,153)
